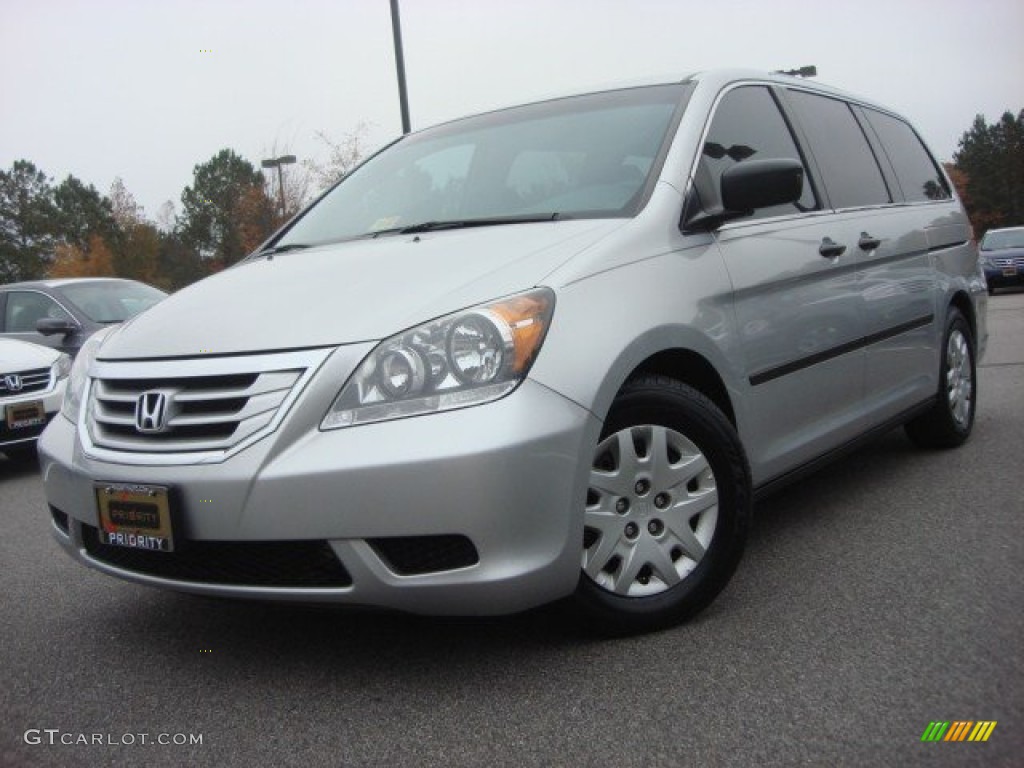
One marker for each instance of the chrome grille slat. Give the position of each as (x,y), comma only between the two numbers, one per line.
(255,406)
(276,381)
(212,407)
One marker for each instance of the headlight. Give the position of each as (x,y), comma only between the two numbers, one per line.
(62,367)
(72,405)
(468,358)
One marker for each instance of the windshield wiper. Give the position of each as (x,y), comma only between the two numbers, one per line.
(493,221)
(283,248)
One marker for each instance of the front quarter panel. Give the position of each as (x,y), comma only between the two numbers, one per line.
(606,325)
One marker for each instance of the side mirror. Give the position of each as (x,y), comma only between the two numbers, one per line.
(750,185)
(50,326)
(755,184)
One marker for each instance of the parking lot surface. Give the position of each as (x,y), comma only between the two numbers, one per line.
(875,597)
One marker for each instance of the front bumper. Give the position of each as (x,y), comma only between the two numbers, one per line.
(999,277)
(506,476)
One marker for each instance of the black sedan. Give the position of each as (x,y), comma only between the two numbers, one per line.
(1002,255)
(63,313)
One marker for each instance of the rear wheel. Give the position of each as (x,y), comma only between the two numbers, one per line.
(949,422)
(667,509)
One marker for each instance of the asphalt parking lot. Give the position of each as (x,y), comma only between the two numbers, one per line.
(877,596)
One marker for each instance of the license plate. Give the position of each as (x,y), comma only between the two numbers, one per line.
(135,516)
(21,415)
(1009,271)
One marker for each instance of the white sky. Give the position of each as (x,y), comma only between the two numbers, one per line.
(106,88)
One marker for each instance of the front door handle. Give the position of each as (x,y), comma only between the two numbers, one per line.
(830,249)
(867,242)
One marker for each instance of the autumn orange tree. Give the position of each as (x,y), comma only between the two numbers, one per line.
(73,261)
(257,217)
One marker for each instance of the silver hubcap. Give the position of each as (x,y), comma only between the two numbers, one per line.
(959,384)
(651,512)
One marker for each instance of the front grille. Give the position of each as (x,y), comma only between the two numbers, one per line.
(230,563)
(416,555)
(1013,261)
(201,413)
(36,380)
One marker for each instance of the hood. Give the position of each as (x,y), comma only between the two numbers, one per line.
(16,356)
(361,290)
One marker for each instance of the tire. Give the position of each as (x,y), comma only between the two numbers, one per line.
(949,421)
(667,510)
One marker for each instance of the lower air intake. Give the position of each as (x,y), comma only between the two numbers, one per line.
(417,555)
(234,563)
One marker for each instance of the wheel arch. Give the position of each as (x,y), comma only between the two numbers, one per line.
(692,369)
(962,302)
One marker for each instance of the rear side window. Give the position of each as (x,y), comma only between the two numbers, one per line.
(916,172)
(851,173)
(747,125)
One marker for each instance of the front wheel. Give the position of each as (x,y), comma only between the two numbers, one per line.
(667,509)
(949,421)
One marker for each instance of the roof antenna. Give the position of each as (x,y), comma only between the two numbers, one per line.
(808,71)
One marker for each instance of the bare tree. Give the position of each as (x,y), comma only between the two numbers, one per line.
(166,216)
(343,155)
(127,212)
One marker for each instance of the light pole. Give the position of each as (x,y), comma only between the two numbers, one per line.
(277,162)
(403,99)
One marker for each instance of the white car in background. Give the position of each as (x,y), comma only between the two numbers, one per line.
(32,382)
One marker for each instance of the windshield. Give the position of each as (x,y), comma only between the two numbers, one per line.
(999,240)
(111,301)
(581,157)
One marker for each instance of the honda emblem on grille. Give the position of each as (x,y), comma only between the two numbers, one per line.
(151,412)
(13,382)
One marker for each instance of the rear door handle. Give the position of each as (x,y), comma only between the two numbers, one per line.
(867,242)
(830,249)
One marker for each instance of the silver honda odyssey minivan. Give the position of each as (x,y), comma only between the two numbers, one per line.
(553,351)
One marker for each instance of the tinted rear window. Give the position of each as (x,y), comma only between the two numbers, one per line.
(916,172)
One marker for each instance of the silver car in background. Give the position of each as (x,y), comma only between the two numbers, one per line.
(546,352)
